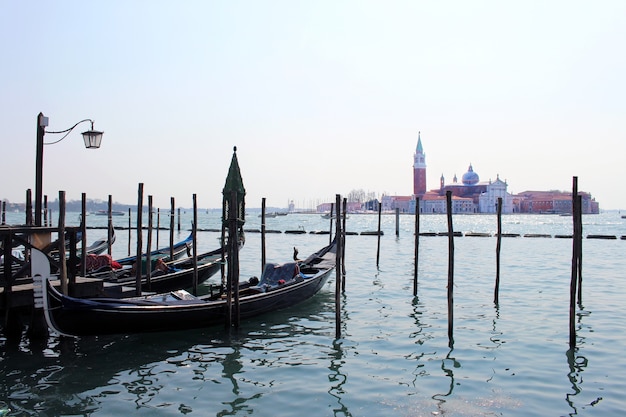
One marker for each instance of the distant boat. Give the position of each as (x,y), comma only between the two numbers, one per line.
(331,216)
(106,213)
(267,215)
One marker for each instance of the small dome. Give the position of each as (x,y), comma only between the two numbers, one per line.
(470,177)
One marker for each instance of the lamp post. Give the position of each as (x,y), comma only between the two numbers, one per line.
(92,139)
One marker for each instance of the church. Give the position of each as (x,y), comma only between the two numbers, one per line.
(473,196)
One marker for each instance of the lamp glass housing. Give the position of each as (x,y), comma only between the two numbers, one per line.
(92,139)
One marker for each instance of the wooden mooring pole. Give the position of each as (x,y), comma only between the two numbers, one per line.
(194,248)
(262,235)
(129,229)
(397,221)
(149,247)
(109,224)
(61,240)
(138,263)
(83,235)
(330,224)
(417,244)
(343,245)
(579,221)
(496,291)
(450,269)
(158,227)
(380,208)
(172,213)
(338,274)
(575,262)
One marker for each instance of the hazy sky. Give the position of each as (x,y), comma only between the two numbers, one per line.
(320,97)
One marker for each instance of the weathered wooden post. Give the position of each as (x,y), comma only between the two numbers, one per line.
(262,234)
(158,227)
(139,259)
(149,247)
(574,272)
(496,297)
(61,240)
(417,244)
(129,229)
(29,208)
(110,224)
(83,236)
(47,220)
(338,269)
(172,214)
(579,221)
(380,208)
(330,225)
(343,245)
(450,269)
(194,249)
(397,221)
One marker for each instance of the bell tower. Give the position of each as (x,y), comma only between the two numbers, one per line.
(419,169)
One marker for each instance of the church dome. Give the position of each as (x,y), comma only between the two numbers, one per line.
(470,177)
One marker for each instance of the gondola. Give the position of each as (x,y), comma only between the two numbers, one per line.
(280,286)
(20,267)
(96,248)
(99,246)
(165,276)
(180,249)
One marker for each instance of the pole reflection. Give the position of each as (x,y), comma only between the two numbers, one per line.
(337,379)
(577,363)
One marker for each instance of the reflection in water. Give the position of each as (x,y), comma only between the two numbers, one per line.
(83,376)
(577,363)
(447,366)
(232,366)
(337,379)
(420,338)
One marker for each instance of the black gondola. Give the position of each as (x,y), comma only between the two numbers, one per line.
(280,286)
(180,249)
(173,275)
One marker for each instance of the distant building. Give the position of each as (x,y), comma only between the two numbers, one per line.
(419,169)
(351,207)
(555,202)
(471,195)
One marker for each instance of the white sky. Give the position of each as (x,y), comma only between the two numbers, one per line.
(320,97)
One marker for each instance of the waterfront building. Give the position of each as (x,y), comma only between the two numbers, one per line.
(541,202)
(470,195)
(419,169)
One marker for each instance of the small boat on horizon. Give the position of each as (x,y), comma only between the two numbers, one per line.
(106,213)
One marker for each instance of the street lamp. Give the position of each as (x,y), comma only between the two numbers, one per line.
(92,139)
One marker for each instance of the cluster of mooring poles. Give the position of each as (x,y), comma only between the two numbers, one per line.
(337,212)
(233,219)
(576,280)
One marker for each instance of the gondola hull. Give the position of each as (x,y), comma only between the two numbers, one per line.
(179,310)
